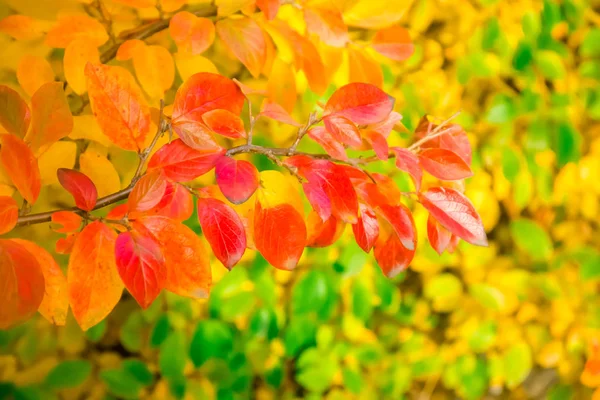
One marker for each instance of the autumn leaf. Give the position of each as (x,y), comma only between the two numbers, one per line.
(14,112)
(181,163)
(65,245)
(9,214)
(444,164)
(223,229)
(281,85)
(176,204)
(393,42)
(246,40)
(119,106)
(343,130)
(327,24)
(141,266)
(361,103)
(224,123)
(21,284)
(147,192)
(278,113)
(400,219)
(322,233)
(93,280)
(188,270)
(456,213)
(68,220)
(80,186)
(408,162)
(237,179)
(391,256)
(397,241)
(154,66)
(77,54)
(72,27)
(21,166)
(101,171)
(268,7)
(363,68)
(366,229)
(21,27)
(33,72)
(191,33)
(331,146)
(55,303)
(439,237)
(379,144)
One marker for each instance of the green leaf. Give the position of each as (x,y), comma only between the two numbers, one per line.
(550,64)
(489,296)
(263,324)
(69,374)
(517,364)
(590,47)
(132,332)
(139,370)
(568,144)
(172,357)
(212,339)
(362,299)
(160,331)
(522,56)
(511,164)
(121,383)
(352,380)
(313,293)
(531,238)
(96,332)
(299,334)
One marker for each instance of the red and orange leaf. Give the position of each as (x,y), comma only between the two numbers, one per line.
(14,112)
(21,166)
(439,237)
(32,72)
(128,49)
(454,240)
(181,163)
(223,229)
(224,123)
(177,203)
(141,266)
(191,33)
(400,219)
(237,179)
(51,116)
(379,144)
(93,280)
(68,220)
(408,162)
(454,139)
(366,229)
(281,248)
(55,304)
(65,245)
(9,214)
(386,126)
(391,256)
(147,192)
(331,146)
(246,40)
(393,42)
(118,212)
(268,7)
(188,270)
(361,103)
(21,284)
(343,130)
(21,27)
(456,213)
(363,68)
(388,188)
(80,186)
(278,113)
(77,54)
(196,135)
(72,27)
(444,164)
(323,233)
(327,24)
(119,106)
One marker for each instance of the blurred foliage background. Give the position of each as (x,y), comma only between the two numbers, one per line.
(513,321)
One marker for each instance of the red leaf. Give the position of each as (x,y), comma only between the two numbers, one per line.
(392,257)
(454,240)
(366,229)
(14,112)
(455,213)
(22,283)
(177,203)
(397,242)
(141,266)
(393,42)
(223,229)
(408,162)
(65,245)
(379,144)
(334,148)
(237,179)
(246,40)
(454,139)
(188,270)
(282,248)
(385,127)
(80,186)
(9,214)
(147,192)
(278,113)
(444,164)
(323,234)
(196,135)
(225,123)
(69,220)
(21,167)
(400,218)
(343,130)
(439,237)
(361,103)
(268,7)
(327,24)
(181,163)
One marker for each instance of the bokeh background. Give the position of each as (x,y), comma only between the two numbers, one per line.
(516,320)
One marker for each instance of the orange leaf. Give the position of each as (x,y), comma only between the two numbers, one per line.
(363,68)
(21,27)
(323,234)
(281,85)
(51,117)
(69,220)
(327,24)
(444,164)
(177,203)
(94,283)
(393,42)
(71,27)
(246,40)
(334,148)
(408,162)
(33,72)
(14,112)
(225,123)
(396,244)
(55,304)
(343,130)
(181,163)
(366,230)
(439,237)
(80,186)
(119,106)
(188,270)
(21,284)
(147,192)
(191,33)
(21,166)
(361,103)
(77,54)
(9,214)
(268,7)
(141,266)
(278,113)
(65,245)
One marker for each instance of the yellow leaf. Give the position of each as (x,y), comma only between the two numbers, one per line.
(77,55)
(59,155)
(33,72)
(154,69)
(101,172)
(188,65)
(376,14)
(282,85)
(21,27)
(363,68)
(228,7)
(78,26)
(276,188)
(86,127)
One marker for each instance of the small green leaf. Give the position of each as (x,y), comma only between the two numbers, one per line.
(69,374)
(550,64)
(172,357)
(590,47)
(212,339)
(531,238)
(139,370)
(121,383)
(160,331)
(131,332)
(517,364)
